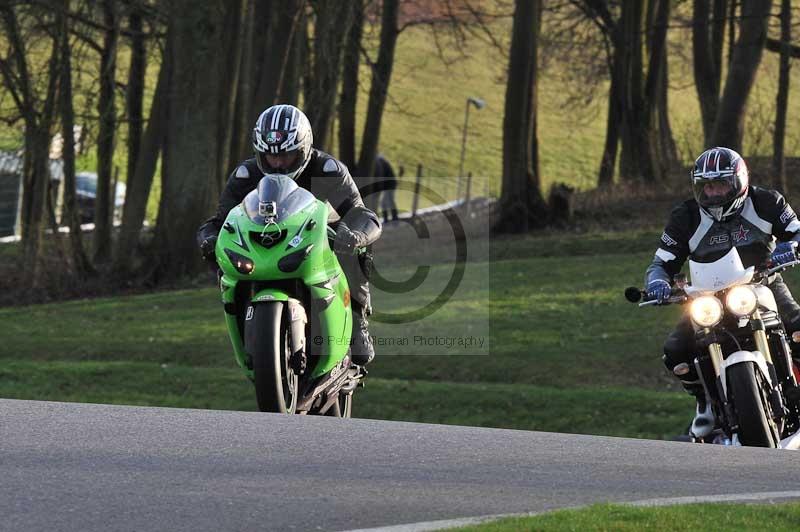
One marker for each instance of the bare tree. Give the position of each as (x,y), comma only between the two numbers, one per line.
(378,91)
(140,181)
(190,162)
(242,121)
(332,18)
(729,124)
(663,141)
(103,209)
(708,32)
(134,92)
(81,263)
(522,206)
(349,94)
(782,98)
(34,95)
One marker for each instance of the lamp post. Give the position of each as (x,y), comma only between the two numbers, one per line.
(479,104)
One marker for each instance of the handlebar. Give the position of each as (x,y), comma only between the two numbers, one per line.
(780,268)
(635,295)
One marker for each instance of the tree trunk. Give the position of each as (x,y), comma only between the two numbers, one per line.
(82,266)
(349,96)
(616,102)
(241,145)
(729,125)
(732,30)
(636,162)
(274,51)
(295,58)
(706,69)
(655,89)
(331,25)
(104,202)
(782,99)
(38,119)
(719,16)
(522,206)
(234,46)
(140,182)
(134,95)
(378,91)
(190,162)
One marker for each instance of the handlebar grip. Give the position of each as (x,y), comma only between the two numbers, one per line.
(633,294)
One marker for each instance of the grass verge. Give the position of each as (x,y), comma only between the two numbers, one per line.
(604,411)
(690,517)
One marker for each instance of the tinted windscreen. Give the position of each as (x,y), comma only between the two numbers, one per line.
(288,197)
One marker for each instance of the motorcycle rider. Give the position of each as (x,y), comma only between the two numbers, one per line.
(282,144)
(726,212)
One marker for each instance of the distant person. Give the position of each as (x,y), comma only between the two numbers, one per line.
(384,170)
(282,140)
(726,212)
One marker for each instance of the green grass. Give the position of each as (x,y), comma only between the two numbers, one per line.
(642,414)
(564,347)
(606,517)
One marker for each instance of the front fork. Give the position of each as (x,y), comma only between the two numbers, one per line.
(716,359)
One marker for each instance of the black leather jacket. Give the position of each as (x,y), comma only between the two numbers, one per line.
(325,177)
(692,233)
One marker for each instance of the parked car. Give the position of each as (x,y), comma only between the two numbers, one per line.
(86,194)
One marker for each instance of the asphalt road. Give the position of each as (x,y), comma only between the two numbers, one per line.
(80,467)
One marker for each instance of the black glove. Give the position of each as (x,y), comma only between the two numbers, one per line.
(207,247)
(348,241)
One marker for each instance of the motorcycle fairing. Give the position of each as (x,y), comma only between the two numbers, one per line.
(714,276)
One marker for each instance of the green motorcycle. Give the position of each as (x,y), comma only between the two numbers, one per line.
(287,301)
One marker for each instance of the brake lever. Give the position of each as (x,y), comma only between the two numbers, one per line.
(781,267)
(678,298)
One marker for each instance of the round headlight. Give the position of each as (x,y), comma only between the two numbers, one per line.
(706,311)
(741,300)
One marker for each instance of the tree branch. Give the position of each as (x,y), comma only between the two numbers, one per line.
(775,45)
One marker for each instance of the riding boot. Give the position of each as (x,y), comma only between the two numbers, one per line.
(362,352)
(703,422)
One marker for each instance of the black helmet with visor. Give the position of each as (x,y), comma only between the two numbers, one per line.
(282,132)
(720,181)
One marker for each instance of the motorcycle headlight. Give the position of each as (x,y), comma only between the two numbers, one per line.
(741,301)
(706,311)
(242,264)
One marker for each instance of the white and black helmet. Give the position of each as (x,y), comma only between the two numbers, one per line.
(283,129)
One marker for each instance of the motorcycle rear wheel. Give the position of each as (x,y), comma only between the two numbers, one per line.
(747,391)
(267,340)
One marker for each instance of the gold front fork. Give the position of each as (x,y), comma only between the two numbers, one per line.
(715,350)
(761,339)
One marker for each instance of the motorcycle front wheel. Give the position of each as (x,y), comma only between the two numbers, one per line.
(268,342)
(747,390)
(343,407)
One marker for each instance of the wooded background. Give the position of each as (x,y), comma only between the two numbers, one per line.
(219,63)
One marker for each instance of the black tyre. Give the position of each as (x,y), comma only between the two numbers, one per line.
(343,407)
(748,392)
(267,340)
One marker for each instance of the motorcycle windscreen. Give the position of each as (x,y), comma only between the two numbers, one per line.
(288,199)
(722,273)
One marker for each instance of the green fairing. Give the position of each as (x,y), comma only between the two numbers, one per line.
(319,271)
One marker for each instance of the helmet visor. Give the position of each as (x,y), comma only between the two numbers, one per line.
(714,192)
(283,163)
